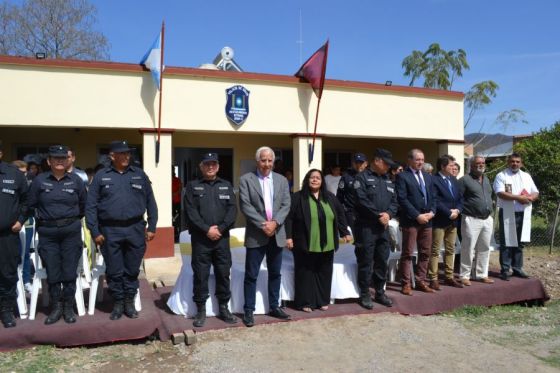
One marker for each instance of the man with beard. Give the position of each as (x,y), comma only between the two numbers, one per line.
(516,192)
(476,222)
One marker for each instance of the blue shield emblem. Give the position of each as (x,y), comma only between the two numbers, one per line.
(237,104)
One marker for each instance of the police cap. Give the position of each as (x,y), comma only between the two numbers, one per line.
(210,157)
(119,147)
(360,157)
(385,155)
(58,151)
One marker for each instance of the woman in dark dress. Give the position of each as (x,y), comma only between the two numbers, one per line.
(312,227)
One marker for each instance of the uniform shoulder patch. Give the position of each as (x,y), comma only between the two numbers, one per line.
(341,184)
(357,184)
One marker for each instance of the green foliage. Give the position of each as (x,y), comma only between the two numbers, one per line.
(438,67)
(541,158)
(478,96)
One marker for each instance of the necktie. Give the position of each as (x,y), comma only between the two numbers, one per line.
(422,186)
(449,186)
(267,198)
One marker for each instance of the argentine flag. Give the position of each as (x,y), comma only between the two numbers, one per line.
(152,60)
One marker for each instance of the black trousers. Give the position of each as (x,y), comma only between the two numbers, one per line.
(312,278)
(9,261)
(511,257)
(60,249)
(372,253)
(206,253)
(123,250)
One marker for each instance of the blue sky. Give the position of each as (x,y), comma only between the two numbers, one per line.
(515,43)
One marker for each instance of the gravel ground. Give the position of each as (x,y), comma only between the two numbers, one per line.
(376,343)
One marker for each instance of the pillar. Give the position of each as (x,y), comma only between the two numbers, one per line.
(456,148)
(300,145)
(163,245)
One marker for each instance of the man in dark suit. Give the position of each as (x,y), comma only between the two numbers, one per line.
(264,199)
(415,194)
(449,206)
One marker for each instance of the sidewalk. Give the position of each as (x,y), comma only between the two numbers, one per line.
(163,271)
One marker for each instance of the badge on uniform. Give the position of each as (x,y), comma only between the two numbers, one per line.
(391,189)
(137,186)
(8,191)
(6,181)
(341,184)
(356,184)
(223,196)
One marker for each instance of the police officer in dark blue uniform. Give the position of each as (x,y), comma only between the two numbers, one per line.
(13,212)
(211,210)
(376,204)
(59,198)
(345,187)
(118,197)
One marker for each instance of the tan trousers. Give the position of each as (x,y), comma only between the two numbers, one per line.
(447,236)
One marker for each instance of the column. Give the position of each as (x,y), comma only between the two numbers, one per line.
(300,145)
(455,148)
(163,244)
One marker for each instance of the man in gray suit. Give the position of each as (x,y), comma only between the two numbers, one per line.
(264,199)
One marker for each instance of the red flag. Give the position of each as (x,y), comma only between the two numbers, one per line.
(313,70)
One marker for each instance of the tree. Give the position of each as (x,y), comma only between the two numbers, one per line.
(542,159)
(478,96)
(60,29)
(438,67)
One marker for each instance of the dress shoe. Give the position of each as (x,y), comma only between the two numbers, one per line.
(118,309)
(421,286)
(466,282)
(56,313)
(454,283)
(384,300)
(7,315)
(200,318)
(406,290)
(279,314)
(248,319)
(130,308)
(68,312)
(520,274)
(365,301)
(434,284)
(504,276)
(486,280)
(225,315)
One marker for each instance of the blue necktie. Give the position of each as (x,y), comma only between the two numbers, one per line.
(422,186)
(450,187)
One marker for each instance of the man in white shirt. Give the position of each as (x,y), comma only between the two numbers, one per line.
(333,179)
(516,192)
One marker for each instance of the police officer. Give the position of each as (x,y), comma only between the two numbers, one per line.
(376,204)
(211,210)
(13,207)
(345,187)
(59,198)
(118,197)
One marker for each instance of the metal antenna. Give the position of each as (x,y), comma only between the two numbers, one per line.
(300,41)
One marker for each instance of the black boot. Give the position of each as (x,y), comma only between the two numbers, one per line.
(225,315)
(7,314)
(200,317)
(56,312)
(130,308)
(68,311)
(118,309)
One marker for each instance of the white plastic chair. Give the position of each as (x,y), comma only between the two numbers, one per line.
(96,291)
(21,301)
(40,282)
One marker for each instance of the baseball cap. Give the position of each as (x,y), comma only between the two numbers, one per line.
(58,151)
(385,155)
(210,157)
(120,146)
(360,157)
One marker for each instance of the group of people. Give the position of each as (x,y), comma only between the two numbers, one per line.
(310,223)
(113,204)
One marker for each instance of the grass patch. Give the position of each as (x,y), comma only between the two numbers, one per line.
(535,330)
(37,359)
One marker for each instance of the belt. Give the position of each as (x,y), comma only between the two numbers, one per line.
(120,223)
(479,217)
(58,222)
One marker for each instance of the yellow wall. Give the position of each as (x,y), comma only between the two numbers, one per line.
(64,97)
